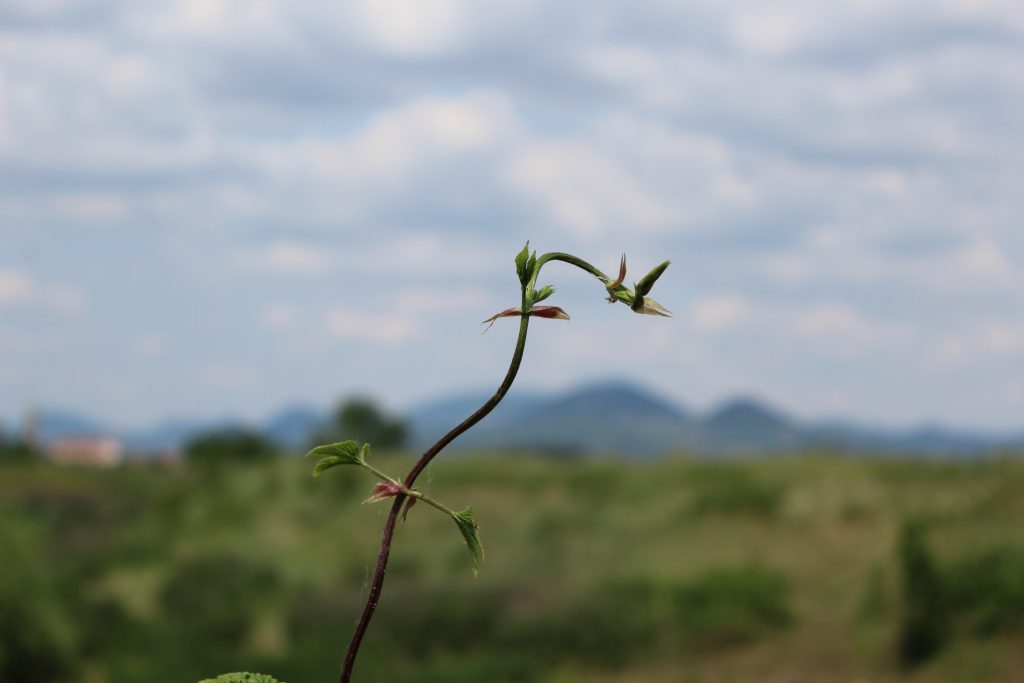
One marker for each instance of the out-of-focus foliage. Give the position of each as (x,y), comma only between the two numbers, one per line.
(15,449)
(925,622)
(242,677)
(781,569)
(363,420)
(229,447)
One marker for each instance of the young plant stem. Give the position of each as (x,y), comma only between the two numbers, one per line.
(387,535)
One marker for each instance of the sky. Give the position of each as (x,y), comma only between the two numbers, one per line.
(221,207)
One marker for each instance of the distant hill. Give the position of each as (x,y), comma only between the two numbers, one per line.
(747,426)
(621,418)
(613,417)
(60,424)
(293,427)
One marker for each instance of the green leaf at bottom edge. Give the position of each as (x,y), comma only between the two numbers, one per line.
(242,677)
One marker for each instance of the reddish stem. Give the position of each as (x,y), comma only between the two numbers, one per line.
(389,526)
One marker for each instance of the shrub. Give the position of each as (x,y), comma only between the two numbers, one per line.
(731,606)
(924,622)
(986,591)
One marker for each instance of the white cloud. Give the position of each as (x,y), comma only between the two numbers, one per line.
(420,29)
(290,257)
(15,287)
(719,312)
(847,329)
(835,183)
(384,326)
(387,317)
(19,289)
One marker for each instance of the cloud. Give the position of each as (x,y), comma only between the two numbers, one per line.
(838,186)
(389,316)
(719,312)
(15,288)
(22,290)
(290,257)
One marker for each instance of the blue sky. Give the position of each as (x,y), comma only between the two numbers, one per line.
(214,207)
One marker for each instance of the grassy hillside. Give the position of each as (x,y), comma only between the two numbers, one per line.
(807,568)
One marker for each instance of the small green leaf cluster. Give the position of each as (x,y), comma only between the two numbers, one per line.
(242,677)
(528,267)
(525,264)
(637,298)
(341,453)
(353,453)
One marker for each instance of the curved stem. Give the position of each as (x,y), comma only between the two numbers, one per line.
(566,258)
(387,535)
(389,526)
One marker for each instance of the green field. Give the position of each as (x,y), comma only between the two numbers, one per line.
(803,568)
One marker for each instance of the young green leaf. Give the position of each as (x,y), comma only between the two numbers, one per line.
(647,282)
(521,264)
(241,678)
(341,453)
(468,526)
(543,293)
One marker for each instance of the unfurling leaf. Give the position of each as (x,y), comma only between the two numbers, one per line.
(507,313)
(543,293)
(649,306)
(383,491)
(615,289)
(644,286)
(522,259)
(242,678)
(553,312)
(341,453)
(468,526)
(622,274)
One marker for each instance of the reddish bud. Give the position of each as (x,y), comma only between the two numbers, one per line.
(622,273)
(553,312)
(382,491)
(614,286)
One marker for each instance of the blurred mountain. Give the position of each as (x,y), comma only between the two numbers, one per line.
(611,417)
(620,418)
(172,435)
(293,427)
(746,425)
(62,424)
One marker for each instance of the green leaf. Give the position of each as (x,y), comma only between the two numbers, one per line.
(543,293)
(341,453)
(521,264)
(242,677)
(645,284)
(468,526)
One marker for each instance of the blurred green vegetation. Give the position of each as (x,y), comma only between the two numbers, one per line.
(801,568)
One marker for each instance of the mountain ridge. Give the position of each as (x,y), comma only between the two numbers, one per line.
(609,417)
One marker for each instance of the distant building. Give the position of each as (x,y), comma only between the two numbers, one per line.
(93,451)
